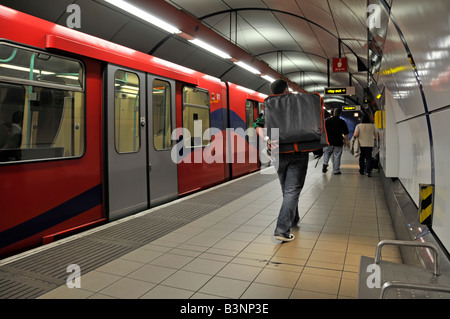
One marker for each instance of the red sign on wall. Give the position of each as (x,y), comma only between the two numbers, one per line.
(340,65)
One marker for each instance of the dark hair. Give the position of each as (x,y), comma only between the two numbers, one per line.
(278,86)
(17,117)
(337,111)
(366,119)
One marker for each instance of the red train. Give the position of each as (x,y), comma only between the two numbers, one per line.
(91,131)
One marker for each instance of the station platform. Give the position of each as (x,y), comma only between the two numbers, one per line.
(219,243)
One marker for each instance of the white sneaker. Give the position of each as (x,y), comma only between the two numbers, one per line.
(282,238)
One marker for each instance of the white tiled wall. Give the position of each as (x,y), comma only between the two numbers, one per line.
(409,147)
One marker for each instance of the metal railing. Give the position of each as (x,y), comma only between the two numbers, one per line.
(382,243)
(419,286)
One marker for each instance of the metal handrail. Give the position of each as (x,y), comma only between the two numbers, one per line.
(382,243)
(419,286)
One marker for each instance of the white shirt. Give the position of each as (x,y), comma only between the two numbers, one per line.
(366,134)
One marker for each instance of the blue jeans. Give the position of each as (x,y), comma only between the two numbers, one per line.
(337,151)
(291,169)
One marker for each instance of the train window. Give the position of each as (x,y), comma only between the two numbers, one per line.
(126,112)
(249,113)
(196,116)
(162,115)
(260,107)
(42,111)
(37,68)
(250,118)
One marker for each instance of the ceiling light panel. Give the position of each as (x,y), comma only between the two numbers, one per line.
(210,48)
(144,15)
(247,67)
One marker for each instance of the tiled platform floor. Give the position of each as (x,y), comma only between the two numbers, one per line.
(232,253)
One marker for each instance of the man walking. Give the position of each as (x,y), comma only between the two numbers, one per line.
(291,169)
(337,132)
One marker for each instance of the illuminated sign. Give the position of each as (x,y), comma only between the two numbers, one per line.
(340,65)
(351,108)
(350,90)
(336,91)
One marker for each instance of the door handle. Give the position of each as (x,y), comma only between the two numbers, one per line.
(149,167)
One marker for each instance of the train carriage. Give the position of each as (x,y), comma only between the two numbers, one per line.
(91,131)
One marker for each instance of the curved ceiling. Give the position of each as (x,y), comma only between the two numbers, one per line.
(294,38)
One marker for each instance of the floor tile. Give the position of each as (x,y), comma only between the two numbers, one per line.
(241,236)
(278,278)
(261,291)
(288,261)
(324,265)
(97,280)
(366,250)
(204,266)
(261,263)
(293,252)
(200,295)
(120,267)
(172,261)
(63,292)
(348,288)
(225,287)
(100,296)
(322,284)
(322,272)
(231,244)
(186,280)
(203,240)
(142,255)
(127,288)
(257,248)
(305,294)
(238,271)
(327,256)
(152,273)
(287,266)
(165,292)
(331,246)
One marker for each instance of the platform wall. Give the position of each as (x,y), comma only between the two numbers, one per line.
(416,148)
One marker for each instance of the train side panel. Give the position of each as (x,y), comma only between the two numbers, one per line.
(43,198)
(244,106)
(200,148)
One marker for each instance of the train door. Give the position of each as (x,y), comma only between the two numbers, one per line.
(161,112)
(126,142)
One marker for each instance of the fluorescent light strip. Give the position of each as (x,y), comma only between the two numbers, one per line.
(23,69)
(144,15)
(247,67)
(129,87)
(268,78)
(210,48)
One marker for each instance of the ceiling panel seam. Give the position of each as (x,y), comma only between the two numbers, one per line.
(279,11)
(312,30)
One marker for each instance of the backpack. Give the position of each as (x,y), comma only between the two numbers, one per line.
(300,120)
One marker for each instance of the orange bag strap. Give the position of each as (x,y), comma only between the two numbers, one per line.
(322,104)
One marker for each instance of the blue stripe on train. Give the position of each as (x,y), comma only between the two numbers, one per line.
(67,210)
(218,120)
